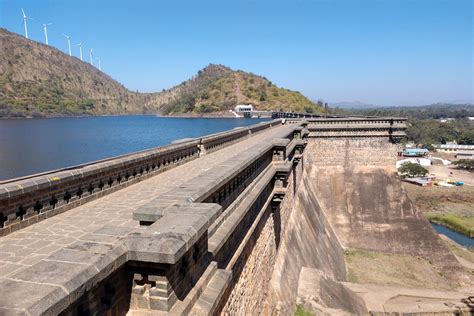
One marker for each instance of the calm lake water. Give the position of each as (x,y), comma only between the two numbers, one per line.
(461,239)
(36,145)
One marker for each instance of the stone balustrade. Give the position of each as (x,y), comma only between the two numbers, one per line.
(31,199)
(368,127)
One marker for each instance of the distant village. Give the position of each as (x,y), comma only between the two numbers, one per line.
(441,164)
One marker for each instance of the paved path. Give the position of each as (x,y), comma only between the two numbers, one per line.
(30,245)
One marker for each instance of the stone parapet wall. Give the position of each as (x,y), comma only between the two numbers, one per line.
(253,269)
(31,199)
(392,129)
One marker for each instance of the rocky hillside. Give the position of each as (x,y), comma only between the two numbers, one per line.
(40,80)
(217,88)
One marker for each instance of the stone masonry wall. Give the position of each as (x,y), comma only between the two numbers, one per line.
(251,286)
(353,152)
(248,290)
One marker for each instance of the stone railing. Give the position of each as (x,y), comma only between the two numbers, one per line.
(391,127)
(27,200)
(358,121)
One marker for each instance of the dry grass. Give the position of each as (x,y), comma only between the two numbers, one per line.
(394,269)
(453,207)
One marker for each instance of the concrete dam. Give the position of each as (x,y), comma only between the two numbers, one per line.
(302,213)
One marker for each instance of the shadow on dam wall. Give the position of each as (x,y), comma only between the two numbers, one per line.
(349,198)
(309,242)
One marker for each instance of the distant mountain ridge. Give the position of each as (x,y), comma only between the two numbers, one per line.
(432,111)
(40,80)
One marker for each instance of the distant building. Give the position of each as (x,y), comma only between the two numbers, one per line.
(244,109)
(453,148)
(445,120)
(465,154)
(415,152)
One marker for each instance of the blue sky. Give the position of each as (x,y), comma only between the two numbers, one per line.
(386,52)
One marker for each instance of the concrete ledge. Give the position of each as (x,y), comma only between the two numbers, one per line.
(209,299)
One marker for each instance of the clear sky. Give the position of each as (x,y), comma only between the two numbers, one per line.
(386,52)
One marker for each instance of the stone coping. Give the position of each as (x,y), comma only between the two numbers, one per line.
(356,119)
(199,188)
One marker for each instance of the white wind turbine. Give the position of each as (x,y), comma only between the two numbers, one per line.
(90,55)
(68,43)
(98,59)
(24,22)
(45,29)
(80,49)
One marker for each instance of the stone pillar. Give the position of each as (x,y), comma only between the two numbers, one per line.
(279,149)
(152,292)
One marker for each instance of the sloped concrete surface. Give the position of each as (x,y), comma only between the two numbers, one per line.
(309,242)
(350,198)
(368,209)
(392,299)
(323,294)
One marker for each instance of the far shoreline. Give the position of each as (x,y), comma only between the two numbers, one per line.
(183,115)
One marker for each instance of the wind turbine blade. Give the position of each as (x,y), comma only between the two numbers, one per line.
(24,15)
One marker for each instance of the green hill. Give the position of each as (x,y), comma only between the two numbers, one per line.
(217,88)
(40,80)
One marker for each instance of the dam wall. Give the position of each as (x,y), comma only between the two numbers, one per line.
(367,205)
(253,270)
(237,222)
(350,198)
(308,241)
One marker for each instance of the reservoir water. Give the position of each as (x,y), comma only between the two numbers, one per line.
(31,146)
(461,239)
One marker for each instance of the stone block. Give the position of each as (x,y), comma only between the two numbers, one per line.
(4,193)
(156,247)
(74,277)
(116,231)
(33,298)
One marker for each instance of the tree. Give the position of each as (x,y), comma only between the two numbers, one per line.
(465,164)
(411,170)
(467,137)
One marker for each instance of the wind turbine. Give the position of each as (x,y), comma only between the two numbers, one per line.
(80,49)
(68,42)
(90,55)
(45,28)
(24,22)
(98,59)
